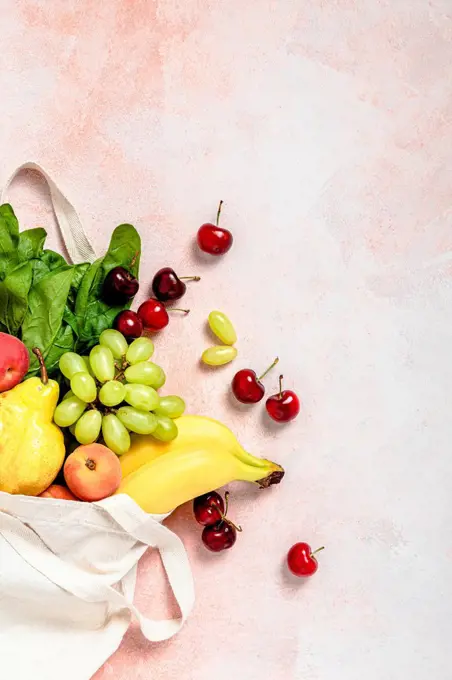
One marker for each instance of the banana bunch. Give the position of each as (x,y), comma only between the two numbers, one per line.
(205,456)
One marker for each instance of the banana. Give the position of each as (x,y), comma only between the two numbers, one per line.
(180,475)
(194,431)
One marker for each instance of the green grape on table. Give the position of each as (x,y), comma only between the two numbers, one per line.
(87,427)
(103,363)
(141,349)
(115,435)
(219,355)
(142,397)
(170,406)
(222,327)
(112,393)
(166,429)
(71,363)
(115,341)
(69,411)
(140,422)
(146,373)
(84,387)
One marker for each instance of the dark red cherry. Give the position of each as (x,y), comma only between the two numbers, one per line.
(219,536)
(129,324)
(208,508)
(167,286)
(119,287)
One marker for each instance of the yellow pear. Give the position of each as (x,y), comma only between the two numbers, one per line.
(31,445)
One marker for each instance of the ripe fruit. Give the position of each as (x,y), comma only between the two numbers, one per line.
(213,239)
(170,406)
(208,508)
(283,406)
(115,341)
(154,315)
(301,560)
(129,324)
(92,472)
(58,491)
(14,361)
(222,327)
(167,286)
(218,355)
(247,387)
(119,287)
(221,534)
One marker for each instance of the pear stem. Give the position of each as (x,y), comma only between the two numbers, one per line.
(269,369)
(219,212)
(190,278)
(44,375)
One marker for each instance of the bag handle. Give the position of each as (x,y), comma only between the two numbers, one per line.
(74,237)
(95,587)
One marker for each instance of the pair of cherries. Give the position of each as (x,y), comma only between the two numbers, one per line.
(210,511)
(249,389)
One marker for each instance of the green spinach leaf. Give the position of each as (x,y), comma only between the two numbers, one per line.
(14,297)
(9,239)
(44,317)
(31,243)
(64,342)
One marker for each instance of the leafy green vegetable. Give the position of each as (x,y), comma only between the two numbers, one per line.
(14,297)
(31,243)
(46,304)
(50,304)
(9,239)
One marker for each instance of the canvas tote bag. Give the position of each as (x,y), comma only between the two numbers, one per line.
(68,569)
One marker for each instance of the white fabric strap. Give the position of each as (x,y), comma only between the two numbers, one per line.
(75,239)
(97,587)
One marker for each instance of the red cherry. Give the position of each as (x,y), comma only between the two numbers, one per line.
(129,324)
(213,239)
(167,286)
(154,315)
(209,508)
(247,387)
(119,286)
(283,406)
(219,536)
(301,560)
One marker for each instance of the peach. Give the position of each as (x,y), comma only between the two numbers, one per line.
(14,361)
(92,472)
(58,491)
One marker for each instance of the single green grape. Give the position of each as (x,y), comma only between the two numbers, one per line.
(84,387)
(142,397)
(88,366)
(115,341)
(112,393)
(146,373)
(141,422)
(103,363)
(170,406)
(87,428)
(72,428)
(69,411)
(219,355)
(141,349)
(115,434)
(68,395)
(71,363)
(222,327)
(166,429)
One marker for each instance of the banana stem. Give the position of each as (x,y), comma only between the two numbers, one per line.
(44,375)
(249,473)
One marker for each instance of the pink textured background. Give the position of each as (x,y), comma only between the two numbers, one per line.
(326,128)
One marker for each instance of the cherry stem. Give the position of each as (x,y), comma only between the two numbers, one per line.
(176,309)
(190,278)
(44,376)
(280,386)
(219,212)
(317,551)
(223,514)
(269,369)
(134,259)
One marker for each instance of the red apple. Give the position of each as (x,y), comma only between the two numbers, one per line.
(14,361)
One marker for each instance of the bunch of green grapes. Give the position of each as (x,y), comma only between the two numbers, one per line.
(114,392)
